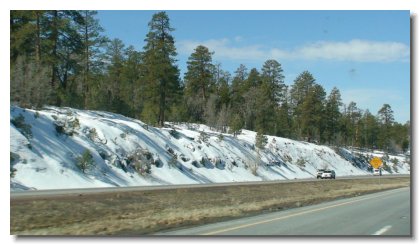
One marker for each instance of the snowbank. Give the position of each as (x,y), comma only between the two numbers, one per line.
(128,152)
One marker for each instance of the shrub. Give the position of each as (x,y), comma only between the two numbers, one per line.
(184,158)
(395,168)
(141,160)
(171,151)
(173,162)
(19,123)
(66,126)
(386,167)
(253,167)
(158,163)
(103,155)
(59,129)
(301,162)
(92,134)
(260,140)
(220,137)
(85,161)
(73,124)
(174,134)
(13,157)
(195,164)
(395,161)
(203,137)
(12,171)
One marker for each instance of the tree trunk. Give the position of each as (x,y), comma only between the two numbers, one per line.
(162,105)
(54,39)
(38,37)
(86,75)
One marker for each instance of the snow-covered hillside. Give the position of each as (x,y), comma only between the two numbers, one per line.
(46,149)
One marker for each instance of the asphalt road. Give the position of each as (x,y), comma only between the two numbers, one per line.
(75,192)
(384,213)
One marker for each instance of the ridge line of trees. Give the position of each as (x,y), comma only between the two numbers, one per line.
(61,58)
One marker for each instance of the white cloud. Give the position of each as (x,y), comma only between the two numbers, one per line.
(353,50)
(224,49)
(374,99)
(365,97)
(356,50)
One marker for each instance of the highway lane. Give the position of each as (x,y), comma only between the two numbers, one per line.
(75,192)
(384,213)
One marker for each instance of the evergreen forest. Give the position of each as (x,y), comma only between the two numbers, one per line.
(62,58)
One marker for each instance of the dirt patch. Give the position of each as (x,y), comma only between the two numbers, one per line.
(145,212)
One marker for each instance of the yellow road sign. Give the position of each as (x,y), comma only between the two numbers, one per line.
(376,162)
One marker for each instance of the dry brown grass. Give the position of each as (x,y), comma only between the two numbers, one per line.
(144,212)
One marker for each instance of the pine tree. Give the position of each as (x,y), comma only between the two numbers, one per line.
(249,89)
(284,121)
(235,124)
(161,73)
(115,58)
(90,58)
(237,91)
(370,130)
(132,83)
(298,93)
(199,80)
(271,93)
(51,38)
(62,40)
(332,116)
(312,113)
(350,125)
(223,89)
(199,76)
(24,33)
(29,83)
(260,140)
(273,79)
(386,121)
(253,80)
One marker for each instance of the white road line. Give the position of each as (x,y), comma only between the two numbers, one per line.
(301,213)
(382,231)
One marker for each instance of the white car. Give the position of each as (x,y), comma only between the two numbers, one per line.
(328,174)
(319,173)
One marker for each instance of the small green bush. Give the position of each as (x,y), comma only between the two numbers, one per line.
(174,134)
(59,129)
(173,161)
(13,157)
(19,123)
(92,134)
(220,137)
(85,161)
(67,127)
(12,171)
(301,162)
(203,137)
(386,167)
(260,140)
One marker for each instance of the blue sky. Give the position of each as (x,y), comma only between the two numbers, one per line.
(365,54)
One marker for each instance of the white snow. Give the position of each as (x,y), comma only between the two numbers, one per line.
(47,160)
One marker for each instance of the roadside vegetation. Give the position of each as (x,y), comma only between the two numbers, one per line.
(145,212)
